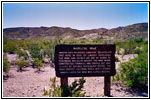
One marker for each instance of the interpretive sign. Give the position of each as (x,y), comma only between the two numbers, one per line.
(84,60)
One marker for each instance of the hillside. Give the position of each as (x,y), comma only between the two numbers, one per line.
(127,32)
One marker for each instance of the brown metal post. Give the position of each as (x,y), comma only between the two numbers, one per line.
(64,81)
(107,84)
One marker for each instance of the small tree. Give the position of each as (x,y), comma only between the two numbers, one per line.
(38,63)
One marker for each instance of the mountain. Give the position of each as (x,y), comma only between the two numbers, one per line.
(139,30)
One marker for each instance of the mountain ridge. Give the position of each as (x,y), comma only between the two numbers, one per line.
(139,30)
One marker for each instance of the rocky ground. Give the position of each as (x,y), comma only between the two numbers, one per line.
(30,83)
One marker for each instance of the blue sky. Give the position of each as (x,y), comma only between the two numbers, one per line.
(75,15)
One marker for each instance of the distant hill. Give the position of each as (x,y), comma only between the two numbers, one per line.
(127,32)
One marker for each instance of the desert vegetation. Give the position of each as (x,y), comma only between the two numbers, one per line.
(74,90)
(6,65)
(132,74)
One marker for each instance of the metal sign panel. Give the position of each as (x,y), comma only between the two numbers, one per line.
(84,60)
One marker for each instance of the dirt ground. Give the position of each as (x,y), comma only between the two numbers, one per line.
(30,83)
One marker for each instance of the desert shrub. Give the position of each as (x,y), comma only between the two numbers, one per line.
(129,47)
(97,40)
(38,63)
(40,48)
(9,47)
(6,66)
(22,54)
(21,64)
(74,90)
(22,44)
(137,51)
(49,47)
(138,40)
(146,42)
(43,53)
(54,91)
(49,52)
(117,59)
(52,51)
(118,49)
(35,51)
(82,42)
(134,73)
(72,42)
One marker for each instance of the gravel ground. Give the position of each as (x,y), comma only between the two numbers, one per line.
(30,83)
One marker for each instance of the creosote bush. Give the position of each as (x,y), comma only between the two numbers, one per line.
(134,73)
(35,51)
(74,90)
(21,64)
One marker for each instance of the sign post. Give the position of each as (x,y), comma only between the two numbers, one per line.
(64,82)
(107,83)
(84,61)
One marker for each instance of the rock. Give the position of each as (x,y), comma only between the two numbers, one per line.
(46,60)
(121,51)
(28,53)
(21,58)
